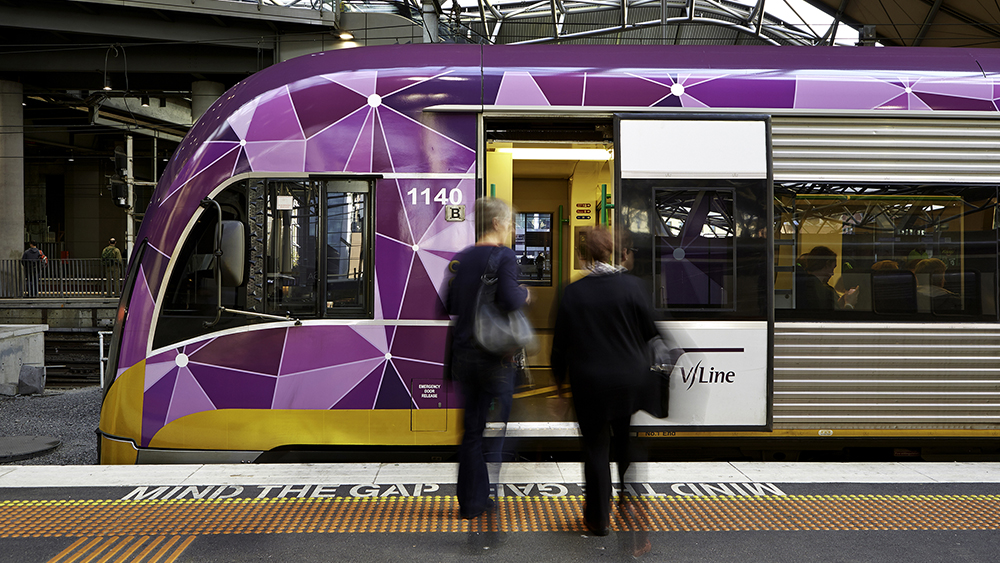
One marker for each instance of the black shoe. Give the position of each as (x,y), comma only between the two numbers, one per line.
(490,505)
(596,530)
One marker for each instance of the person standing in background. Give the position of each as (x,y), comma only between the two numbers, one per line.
(31,260)
(111,260)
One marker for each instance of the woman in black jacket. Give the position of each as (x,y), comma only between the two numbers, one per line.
(602,329)
(481,376)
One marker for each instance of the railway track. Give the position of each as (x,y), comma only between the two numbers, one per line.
(72,358)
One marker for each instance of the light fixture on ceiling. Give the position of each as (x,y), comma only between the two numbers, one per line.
(144,100)
(346,35)
(556,154)
(107,84)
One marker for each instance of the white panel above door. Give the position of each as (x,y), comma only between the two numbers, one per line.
(703,148)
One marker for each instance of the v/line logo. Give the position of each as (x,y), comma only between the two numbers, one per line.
(698,374)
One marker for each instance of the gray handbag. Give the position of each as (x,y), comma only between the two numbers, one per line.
(499,332)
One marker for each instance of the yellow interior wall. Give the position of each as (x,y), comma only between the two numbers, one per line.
(585,187)
(500,174)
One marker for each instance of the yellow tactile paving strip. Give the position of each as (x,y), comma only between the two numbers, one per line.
(192,517)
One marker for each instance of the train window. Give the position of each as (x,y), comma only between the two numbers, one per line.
(533,247)
(287,220)
(292,255)
(927,252)
(694,249)
(347,239)
(191,296)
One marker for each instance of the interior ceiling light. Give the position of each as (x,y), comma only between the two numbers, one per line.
(346,35)
(144,100)
(557,154)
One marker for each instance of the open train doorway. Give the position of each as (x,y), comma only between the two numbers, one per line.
(558,176)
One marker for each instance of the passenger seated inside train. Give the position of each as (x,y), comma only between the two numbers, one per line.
(931,294)
(812,283)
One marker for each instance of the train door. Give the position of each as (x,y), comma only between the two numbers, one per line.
(553,173)
(695,203)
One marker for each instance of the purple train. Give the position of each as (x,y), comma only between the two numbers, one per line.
(287,288)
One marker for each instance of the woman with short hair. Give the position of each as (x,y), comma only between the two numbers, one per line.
(481,375)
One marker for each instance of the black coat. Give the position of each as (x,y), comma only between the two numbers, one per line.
(602,329)
(464,287)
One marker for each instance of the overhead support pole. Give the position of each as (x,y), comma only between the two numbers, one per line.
(931,15)
(690,10)
(558,12)
(663,21)
(757,12)
(431,13)
(831,33)
(485,5)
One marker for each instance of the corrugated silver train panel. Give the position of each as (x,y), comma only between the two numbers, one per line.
(869,375)
(885,149)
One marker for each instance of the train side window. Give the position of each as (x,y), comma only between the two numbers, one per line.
(348,238)
(292,249)
(694,249)
(885,251)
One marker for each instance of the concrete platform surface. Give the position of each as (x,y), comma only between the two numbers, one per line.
(698,512)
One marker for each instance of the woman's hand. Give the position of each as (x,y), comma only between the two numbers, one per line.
(850,298)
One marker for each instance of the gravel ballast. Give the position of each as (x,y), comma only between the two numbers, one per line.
(71,415)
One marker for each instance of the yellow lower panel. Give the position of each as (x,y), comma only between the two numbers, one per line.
(121,412)
(263,429)
(117,453)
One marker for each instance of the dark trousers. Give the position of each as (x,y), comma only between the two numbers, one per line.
(481,379)
(31,280)
(602,437)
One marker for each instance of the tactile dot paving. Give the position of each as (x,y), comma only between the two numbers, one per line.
(138,518)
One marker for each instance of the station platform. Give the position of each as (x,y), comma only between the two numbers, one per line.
(689,511)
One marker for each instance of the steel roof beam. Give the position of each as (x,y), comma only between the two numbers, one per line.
(146,26)
(239,10)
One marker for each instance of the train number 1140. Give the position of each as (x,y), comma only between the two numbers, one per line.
(444,197)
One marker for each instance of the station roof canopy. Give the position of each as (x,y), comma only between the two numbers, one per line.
(927,23)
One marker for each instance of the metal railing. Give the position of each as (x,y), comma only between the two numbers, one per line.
(60,278)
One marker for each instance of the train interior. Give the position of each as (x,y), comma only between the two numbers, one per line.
(556,176)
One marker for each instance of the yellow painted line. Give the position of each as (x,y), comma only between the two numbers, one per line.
(195,517)
(111,553)
(99,550)
(533,392)
(163,550)
(132,549)
(177,552)
(112,545)
(67,551)
(149,548)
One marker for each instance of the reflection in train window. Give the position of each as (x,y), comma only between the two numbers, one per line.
(346,238)
(920,251)
(533,247)
(293,216)
(694,249)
